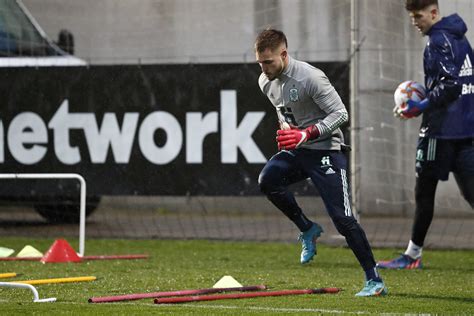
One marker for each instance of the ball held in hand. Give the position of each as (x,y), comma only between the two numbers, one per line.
(407,90)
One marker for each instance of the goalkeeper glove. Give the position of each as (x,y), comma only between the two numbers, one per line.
(293,138)
(413,108)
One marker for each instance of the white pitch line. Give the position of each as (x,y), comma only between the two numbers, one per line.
(268,309)
(240,308)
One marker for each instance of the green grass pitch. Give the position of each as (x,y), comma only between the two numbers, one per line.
(445,286)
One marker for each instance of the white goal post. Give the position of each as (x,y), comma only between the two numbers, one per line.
(82,181)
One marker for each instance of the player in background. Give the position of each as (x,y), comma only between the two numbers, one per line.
(447,129)
(309,143)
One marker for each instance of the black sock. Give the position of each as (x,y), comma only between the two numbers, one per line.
(372,274)
(285,201)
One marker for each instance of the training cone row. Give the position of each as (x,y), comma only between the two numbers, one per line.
(29,252)
(60,251)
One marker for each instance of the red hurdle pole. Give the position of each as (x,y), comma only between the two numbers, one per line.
(175,300)
(129,297)
(114,257)
(21,259)
(105,257)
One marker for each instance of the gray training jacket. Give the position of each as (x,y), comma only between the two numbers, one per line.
(302,96)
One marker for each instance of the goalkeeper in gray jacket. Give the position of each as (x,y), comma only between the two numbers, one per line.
(309,142)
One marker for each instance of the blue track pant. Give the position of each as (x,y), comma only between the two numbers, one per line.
(327,170)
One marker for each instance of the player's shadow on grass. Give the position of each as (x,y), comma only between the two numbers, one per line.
(434,297)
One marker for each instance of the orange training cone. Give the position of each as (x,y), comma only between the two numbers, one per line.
(60,251)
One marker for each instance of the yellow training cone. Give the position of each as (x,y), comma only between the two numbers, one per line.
(227,281)
(29,251)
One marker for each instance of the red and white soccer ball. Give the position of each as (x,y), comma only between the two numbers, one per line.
(408,90)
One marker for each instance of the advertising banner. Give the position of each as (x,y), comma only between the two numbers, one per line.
(144,130)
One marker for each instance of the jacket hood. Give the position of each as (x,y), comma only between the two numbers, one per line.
(452,24)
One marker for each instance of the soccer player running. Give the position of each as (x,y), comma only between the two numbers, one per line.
(446,140)
(309,142)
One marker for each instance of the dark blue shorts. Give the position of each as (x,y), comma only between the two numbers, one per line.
(325,168)
(437,157)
